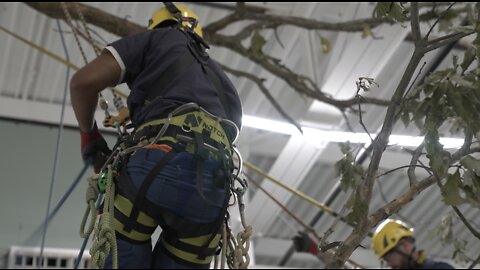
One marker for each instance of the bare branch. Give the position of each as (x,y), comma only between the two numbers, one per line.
(396,204)
(465,221)
(438,19)
(403,167)
(411,171)
(417,36)
(110,23)
(442,41)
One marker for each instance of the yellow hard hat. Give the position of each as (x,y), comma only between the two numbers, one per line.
(388,234)
(189,18)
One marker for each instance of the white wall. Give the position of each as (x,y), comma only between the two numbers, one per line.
(27,153)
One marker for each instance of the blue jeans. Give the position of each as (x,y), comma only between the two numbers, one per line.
(174,188)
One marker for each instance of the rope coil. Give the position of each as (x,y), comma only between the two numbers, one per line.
(105,240)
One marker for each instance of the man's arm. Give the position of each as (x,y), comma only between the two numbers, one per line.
(86,83)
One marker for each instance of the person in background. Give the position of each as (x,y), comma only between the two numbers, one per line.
(394,243)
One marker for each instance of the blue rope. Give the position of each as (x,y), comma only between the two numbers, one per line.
(60,203)
(59,139)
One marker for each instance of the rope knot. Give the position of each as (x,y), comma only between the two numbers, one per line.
(92,189)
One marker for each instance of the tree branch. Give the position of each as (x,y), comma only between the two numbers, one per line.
(122,28)
(396,204)
(442,41)
(110,23)
(465,221)
(411,171)
(381,141)
(415,23)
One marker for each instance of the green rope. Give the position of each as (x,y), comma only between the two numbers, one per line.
(106,240)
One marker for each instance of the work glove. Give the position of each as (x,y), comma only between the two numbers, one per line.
(94,148)
(303,243)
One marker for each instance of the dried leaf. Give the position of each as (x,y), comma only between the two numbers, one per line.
(326,47)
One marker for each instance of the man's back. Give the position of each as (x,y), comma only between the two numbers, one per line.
(149,58)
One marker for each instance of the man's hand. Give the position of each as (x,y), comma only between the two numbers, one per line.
(94,148)
(303,243)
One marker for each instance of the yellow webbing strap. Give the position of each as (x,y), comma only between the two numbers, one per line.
(293,191)
(196,121)
(195,241)
(125,207)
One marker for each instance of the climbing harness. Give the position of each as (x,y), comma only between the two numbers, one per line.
(183,126)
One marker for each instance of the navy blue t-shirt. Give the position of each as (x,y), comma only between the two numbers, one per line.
(145,56)
(430,264)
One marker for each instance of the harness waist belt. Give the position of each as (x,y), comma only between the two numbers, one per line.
(185,125)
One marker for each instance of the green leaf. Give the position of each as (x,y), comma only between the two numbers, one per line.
(345,173)
(471,116)
(449,14)
(461,81)
(416,91)
(349,172)
(455,61)
(359,210)
(456,126)
(472,188)
(451,190)
(398,12)
(463,108)
(471,163)
(256,46)
(395,10)
(351,200)
(405,119)
(439,159)
(382,9)
(345,147)
(431,122)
